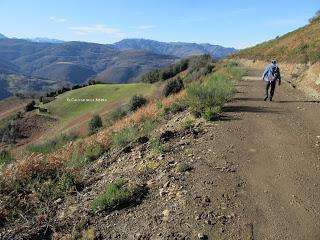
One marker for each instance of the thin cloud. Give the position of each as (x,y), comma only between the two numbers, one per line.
(145,27)
(57,19)
(99,28)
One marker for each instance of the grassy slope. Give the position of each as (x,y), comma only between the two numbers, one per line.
(72,113)
(299,46)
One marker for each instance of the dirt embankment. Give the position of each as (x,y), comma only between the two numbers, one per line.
(305,77)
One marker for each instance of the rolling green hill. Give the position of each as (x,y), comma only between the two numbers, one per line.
(299,46)
(77,106)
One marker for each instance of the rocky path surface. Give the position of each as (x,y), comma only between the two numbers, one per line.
(278,154)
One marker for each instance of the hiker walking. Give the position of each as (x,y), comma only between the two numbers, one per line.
(270,76)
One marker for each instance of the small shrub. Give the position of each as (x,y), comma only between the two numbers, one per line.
(159,104)
(9,133)
(30,106)
(211,113)
(156,146)
(207,97)
(116,115)
(136,102)
(92,153)
(173,86)
(5,157)
(183,167)
(95,123)
(116,194)
(124,136)
(147,126)
(174,108)
(187,123)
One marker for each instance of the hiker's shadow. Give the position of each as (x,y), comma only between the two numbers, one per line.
(249,109)
(298,101)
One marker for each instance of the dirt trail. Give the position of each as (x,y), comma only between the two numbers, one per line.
(277,148)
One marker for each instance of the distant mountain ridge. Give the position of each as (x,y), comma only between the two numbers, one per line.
(53,62)
(71,63)
(2,36)
(178,49)
(45,40)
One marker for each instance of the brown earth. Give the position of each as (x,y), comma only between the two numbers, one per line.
(255,175)
(11,105)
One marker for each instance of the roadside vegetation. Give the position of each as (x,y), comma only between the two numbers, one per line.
(117,194)
(53,144)
(94,124)
(5,157)
(58,168)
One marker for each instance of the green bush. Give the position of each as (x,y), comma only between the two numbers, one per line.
(116,194)
(147,126)
(183,167)
(156,146)
(9,133)
(53,144)
(174,108)
(5,157)
(173,86)
(95,123)
(30,106)
(124,136)
(92,153)
(116,115)
(187,123)
(208,96)
(136,102)
(212,113)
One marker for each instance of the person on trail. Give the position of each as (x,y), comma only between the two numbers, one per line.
(270,77)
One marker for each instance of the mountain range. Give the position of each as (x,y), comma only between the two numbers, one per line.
(179,49)
(53,63)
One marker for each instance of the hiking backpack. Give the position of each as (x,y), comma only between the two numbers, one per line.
(273,73)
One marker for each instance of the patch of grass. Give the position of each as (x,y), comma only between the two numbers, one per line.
(183,167)
(67,110)
(174,108)
(94,124)
(116,115)
(5,157)
(209,96)
(156,146)
(117,193)
(236,71)
(187,123)
(92,153)
(147,126)
(124,136)
(211,113)
(53,144)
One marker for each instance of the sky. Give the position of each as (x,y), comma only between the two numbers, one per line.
(231,23)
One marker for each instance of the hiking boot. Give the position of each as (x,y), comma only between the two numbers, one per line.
(265,99)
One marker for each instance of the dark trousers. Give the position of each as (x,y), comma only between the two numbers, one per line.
(271,85)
